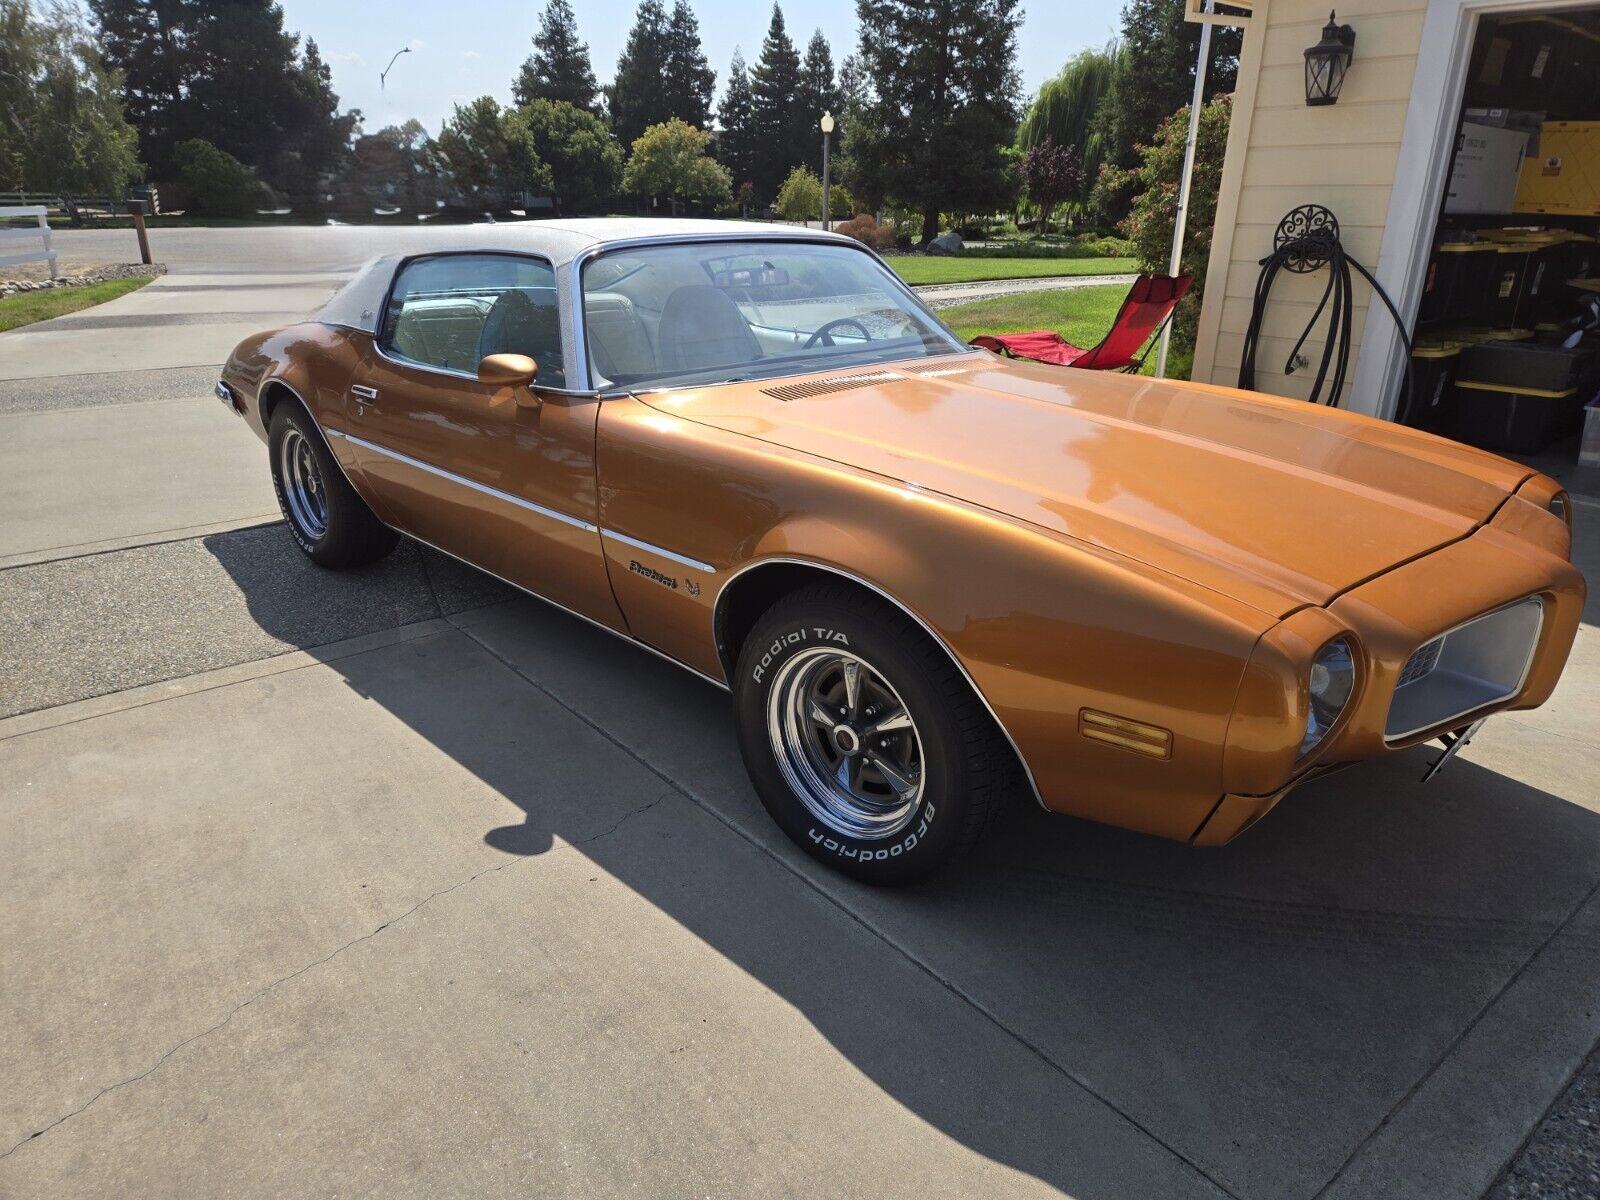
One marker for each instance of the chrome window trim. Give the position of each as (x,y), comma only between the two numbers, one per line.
(1446,723)
(728,667)
(413,365)
(580,318)
(681,559)
(485,489)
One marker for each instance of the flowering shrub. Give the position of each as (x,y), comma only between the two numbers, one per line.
(1154,187)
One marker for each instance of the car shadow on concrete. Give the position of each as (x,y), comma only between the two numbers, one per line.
(1261,1010)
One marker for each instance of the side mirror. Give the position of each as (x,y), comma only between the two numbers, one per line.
(507,370)
(510,370)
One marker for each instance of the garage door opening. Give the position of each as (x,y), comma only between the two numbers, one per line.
(1507,335)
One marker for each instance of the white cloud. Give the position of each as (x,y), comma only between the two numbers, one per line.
(470,54)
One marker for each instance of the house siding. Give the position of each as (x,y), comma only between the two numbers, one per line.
(1282,154)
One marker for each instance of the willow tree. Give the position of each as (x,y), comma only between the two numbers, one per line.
(1064,111)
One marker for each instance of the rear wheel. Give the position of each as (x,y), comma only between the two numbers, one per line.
(865,743)
(325,517)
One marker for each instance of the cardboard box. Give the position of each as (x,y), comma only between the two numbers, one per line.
(1564,177)
(1487,169)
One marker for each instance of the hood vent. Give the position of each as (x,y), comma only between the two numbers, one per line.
(821,387)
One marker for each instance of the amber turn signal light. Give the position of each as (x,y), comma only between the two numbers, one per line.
(1130,735)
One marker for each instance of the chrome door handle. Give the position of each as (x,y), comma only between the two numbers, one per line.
(365,393)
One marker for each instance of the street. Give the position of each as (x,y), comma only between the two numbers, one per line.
(393,880)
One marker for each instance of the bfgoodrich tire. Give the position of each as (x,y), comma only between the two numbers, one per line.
(865,743)
(326,518)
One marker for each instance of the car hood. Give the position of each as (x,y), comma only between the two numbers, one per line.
(1276,503)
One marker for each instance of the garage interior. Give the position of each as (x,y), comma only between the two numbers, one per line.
(1506,344)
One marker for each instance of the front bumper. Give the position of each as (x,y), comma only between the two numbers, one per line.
(1513,558)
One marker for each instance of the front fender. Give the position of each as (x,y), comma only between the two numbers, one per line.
(1045,628)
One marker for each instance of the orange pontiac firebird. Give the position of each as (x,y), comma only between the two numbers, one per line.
(931,578)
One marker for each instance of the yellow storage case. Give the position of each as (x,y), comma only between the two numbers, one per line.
(1564,177)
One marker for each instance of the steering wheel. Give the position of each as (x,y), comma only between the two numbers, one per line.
(825,333)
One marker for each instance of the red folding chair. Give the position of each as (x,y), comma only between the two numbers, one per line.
(1148,307)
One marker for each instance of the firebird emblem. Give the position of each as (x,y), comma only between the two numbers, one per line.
(691,587)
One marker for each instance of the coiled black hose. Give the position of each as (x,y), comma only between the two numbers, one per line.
(1307,240)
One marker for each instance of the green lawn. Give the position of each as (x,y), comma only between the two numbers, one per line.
(1081,315)
(919,269)
(27,307)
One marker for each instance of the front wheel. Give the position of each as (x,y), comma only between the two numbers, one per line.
(865,743)
(326,518)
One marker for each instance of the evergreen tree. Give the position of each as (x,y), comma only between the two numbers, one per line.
(558,68)
(688,82)
(736,141)
(180,61)
(492,154)
(1153,75)
(819,93)
(585,161)
(635,96)
(775,115)
(943,105)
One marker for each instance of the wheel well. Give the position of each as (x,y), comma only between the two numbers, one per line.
(758,589)
(749,595)
(273,393)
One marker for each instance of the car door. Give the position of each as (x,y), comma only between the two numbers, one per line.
(502,477)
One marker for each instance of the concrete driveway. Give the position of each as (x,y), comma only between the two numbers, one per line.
(392,881)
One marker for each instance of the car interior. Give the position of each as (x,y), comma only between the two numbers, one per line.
(670,312)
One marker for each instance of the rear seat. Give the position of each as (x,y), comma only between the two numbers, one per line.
(618,340)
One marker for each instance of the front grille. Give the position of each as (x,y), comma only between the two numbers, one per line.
(1422,662)
(1466,669)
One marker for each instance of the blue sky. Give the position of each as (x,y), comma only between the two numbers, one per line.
(471,48)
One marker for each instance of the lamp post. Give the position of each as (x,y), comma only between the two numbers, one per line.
(383,75)
(826,124)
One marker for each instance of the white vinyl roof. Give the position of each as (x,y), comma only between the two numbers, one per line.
(356,305)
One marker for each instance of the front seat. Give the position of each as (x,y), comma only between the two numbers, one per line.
(702,328)
(516,325)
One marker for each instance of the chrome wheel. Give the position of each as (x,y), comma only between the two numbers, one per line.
(846,744)
(302,485)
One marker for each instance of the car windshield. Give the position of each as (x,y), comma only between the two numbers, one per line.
(712,312)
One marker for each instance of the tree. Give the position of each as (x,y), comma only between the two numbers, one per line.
(227,71)
(672,159)
(584,160)
(558,68)
(1154,185)
(818,92)
(688,83)
(217,184)
(1066,111)
(1051,173)
(800,198)
(399,165)
(943,88)
(1153,74)
(737,142)
(492,155)
(775,112)
(636,94)
(61,122)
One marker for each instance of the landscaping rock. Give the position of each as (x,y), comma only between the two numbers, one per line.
(11,287)
(946,243)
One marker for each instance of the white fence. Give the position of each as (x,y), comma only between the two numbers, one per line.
(11,232)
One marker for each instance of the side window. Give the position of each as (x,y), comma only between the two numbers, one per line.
(452,310)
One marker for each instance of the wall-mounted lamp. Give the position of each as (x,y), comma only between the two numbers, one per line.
(1327,61)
